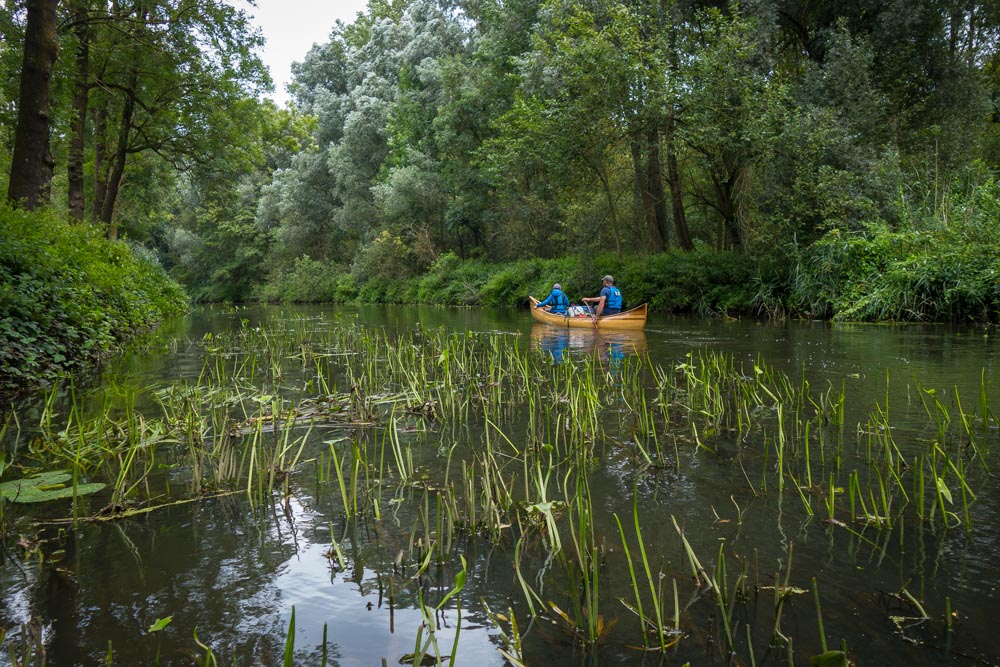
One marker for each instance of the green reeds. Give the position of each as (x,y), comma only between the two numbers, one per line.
(657,622)
(412,399)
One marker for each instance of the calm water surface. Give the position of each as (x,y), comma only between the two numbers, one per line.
(232,575)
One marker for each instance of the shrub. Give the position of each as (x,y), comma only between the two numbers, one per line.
(386,257)
(308,281)
(67,296)
(948,269)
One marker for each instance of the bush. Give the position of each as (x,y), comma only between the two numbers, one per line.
(947,270)
(452,281)
(67,296)
(309,281)
(387,257)
(704,282)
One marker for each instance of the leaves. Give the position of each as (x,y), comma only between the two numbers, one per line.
(45,486)
(160,623)
(943,489)
(830,659)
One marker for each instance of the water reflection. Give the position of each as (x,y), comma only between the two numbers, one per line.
(233,575)
(562,343)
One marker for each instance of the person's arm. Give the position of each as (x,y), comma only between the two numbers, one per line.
(600,305)
(542,304)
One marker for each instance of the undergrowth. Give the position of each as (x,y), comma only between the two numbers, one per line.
(67,296)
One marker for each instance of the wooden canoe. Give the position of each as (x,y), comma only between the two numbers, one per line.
(634,318)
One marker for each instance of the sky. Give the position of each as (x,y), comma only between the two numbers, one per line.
(291,27)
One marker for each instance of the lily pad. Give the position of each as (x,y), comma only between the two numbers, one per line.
(44,486)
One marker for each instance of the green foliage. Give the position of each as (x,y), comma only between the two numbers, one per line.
(387,257)
(453,281)
(309,281)
(704,282)
(67,296)
(45,486)
(947,269)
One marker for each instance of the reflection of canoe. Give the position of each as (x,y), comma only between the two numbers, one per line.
(587,340)
(630,319)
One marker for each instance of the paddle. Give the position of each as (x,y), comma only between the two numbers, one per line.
(590,311)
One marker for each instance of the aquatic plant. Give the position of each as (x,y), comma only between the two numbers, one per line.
(485,442)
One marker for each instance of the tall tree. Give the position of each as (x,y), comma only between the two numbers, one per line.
(32,164)
(168,75)
(81,83)
(728,78)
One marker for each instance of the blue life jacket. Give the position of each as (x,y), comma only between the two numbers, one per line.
(614,299)
(561,304)
(559,301)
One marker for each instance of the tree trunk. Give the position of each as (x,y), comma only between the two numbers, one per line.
(118,167)
(676,192)
(612,209)
(726,203)
(32,164)
(643,200)
(74,165)
(100,158)
(673,172)
(654,179)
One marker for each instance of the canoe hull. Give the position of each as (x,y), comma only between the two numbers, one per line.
(629,319)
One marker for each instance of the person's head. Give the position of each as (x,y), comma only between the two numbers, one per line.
(557,286)
(608,280)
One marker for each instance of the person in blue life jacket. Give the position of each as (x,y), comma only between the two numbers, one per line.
(610,300)
(557,299)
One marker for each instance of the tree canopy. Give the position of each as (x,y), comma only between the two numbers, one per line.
(505,130)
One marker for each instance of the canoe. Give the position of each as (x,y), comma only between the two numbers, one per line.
(634,318)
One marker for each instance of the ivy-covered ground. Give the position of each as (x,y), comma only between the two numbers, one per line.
(68,296)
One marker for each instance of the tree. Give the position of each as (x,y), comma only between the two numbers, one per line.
(729,82)
(32,164)
(168,77)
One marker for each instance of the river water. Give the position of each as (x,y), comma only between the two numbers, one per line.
(229,573)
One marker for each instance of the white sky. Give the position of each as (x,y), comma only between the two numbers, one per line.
(291,27)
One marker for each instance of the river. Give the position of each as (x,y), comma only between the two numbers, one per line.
(227,571)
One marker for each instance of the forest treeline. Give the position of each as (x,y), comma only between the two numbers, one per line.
(834,159)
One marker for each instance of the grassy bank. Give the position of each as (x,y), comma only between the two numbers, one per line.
(67,296)
(703,282)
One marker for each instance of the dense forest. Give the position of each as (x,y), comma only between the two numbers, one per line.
(833,159)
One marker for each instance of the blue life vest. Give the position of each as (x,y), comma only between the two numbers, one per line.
(559,301)
(562,301)
(614,299)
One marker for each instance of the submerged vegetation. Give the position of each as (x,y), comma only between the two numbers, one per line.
(487,443)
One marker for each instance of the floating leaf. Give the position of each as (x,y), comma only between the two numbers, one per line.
(45,486)
(830,659)
(160,624)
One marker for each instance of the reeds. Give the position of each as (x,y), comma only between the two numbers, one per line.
(482,440)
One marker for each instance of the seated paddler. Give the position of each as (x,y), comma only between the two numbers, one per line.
(610,300)
(557,300)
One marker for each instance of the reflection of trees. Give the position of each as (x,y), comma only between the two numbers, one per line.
(233,572)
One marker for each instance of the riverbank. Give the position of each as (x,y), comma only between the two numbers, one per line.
(69,296)
(936,273)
